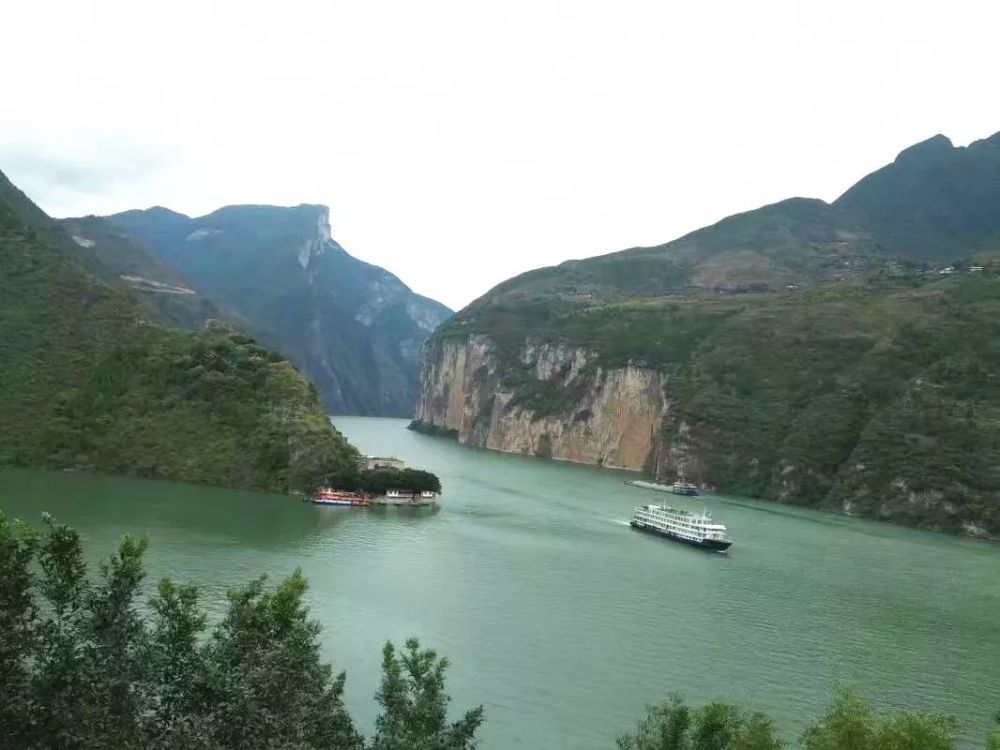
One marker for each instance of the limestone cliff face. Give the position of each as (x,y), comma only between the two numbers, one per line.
(613,418)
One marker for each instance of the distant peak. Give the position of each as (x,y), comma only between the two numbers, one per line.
(323,223)
(992,142)
(164,211)
(933,146)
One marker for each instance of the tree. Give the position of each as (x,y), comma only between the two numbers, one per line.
(414,704)
(716,726)
(993,738)
(82,667)
(851,724)
(178,672)
(756,733)
(917,731)
(665,727)
(61,694)
(18,546)
(265,682)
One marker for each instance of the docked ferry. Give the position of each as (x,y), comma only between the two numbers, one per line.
(696,529)
(328,496)
(684,488)
(407,495)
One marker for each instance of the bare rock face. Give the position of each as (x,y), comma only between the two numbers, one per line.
(614,420)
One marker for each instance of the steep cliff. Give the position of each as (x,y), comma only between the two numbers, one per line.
(616,412)
(797,352)
(354,329)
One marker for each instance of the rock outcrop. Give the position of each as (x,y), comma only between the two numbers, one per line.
(613,418)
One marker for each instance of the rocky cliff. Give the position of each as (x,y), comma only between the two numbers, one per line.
(616,416)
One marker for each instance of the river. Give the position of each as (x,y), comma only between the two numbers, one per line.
(558,617)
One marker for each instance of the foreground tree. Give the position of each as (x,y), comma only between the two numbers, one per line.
(851,724)
(415,705)
(673,725)
(17,630)
(81,666)
(993,739)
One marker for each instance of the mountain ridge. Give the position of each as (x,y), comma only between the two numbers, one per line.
(822,354)
(354,328)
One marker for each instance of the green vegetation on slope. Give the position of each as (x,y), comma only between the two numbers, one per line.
(813,353)
(84,664)
(89,382)
(110,254)
(877,398)
(934,202)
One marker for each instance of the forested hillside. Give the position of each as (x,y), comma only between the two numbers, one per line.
(820,354)
(90,381)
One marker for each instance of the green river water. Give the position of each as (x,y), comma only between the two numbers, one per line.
(558,617)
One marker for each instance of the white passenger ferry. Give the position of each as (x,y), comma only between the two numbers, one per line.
(697,529)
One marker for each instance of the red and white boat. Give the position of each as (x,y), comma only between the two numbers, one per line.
(329,496)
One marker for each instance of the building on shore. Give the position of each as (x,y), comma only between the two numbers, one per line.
(379,463)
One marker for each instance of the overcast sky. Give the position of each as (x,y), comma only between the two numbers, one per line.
(459,143)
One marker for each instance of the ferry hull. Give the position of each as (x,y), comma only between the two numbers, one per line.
(710,544)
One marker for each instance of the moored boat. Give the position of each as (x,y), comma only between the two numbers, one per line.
(330,496)
(697,529)
(407,497)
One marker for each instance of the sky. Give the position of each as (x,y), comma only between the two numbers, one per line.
(458,142)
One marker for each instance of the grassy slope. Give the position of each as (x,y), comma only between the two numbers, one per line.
(89,382)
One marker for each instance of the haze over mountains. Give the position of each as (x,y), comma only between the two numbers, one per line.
(353,328)
(823,354)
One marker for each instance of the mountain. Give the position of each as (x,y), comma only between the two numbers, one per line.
(813,353)
(107,252)
(934,202)
(353,328)
(90,381)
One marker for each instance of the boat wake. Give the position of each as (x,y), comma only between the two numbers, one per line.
(616,521)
